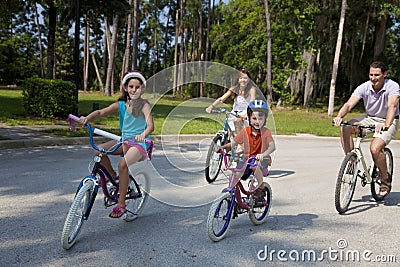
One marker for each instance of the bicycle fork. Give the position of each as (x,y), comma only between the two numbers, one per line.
(232,201)
(93,195)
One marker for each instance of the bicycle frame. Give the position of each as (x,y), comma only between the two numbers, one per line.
(99,169)
(226,132)
(236,187)
(226,129)
(358,151)
(360,156)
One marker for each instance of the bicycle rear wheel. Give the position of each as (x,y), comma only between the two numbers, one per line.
(219,216)
(214,160)
(75,217)
(346,182)
(138,193)
(258,214)
(376,175)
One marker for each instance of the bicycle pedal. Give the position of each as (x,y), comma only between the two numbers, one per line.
(108,202)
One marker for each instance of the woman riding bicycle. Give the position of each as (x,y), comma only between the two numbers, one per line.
(243,92)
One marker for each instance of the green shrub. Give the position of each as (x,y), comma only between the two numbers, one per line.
(49,98)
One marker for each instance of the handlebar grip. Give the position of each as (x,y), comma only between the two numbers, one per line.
(73,117)
(71,121)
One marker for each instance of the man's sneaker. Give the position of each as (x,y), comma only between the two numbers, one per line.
(259,194)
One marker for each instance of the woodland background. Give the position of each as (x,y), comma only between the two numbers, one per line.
(298,52)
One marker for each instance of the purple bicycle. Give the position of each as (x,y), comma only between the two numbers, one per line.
(99,177)
(231,202)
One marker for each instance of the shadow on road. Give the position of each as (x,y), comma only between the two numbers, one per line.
(275,174)
(367,202)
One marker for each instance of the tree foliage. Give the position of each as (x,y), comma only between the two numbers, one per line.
(170,32)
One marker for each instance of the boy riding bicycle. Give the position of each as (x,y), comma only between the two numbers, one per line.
(257,141)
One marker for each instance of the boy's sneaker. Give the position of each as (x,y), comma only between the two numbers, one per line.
(259,194)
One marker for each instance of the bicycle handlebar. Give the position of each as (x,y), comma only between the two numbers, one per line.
(223,110)
(71,121)
(250,162)
(346,123)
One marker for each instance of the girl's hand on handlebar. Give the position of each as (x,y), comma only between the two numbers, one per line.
(337,121)
(83,120)
(259,157)
(208,110)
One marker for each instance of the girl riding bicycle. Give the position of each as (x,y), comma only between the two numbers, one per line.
(257,141)
(136,124)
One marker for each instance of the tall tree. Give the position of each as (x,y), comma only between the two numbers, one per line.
(51,9)
(111,59)
(336,59)
(269,53)
(42,70)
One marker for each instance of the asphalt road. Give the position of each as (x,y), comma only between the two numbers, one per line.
(38,185)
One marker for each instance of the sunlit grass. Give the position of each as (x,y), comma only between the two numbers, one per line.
(171,116)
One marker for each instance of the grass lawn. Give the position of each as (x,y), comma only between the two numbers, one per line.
(172,116)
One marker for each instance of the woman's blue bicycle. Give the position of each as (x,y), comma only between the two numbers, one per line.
(99,177)
(222,137)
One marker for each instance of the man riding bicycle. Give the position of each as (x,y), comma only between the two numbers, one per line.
(381,98)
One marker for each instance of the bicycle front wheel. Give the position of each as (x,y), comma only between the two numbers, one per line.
(137,195)
(219,217)
(258,214)
(75,217)
(376,175)
(214,160)
(346,182)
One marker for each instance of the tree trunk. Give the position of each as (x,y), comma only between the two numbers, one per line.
(177,33)
(111,59)
(309,77)
(125,61)
(105,52)
(97,73)
(209,18)
(200,51)
(135,34)
(336,59)
(380,37)
(40,44)
(166,48)
(51,45)
(86,57)
(365,35)
(182,49)
(269,54)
